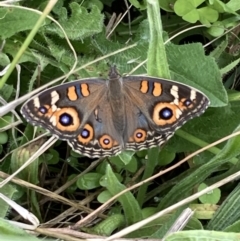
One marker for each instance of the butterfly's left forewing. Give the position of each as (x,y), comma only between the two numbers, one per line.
(63,109)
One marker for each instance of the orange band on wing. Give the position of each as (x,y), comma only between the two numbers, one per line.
(157,90)
(71,93)
(144,86)
(85,90)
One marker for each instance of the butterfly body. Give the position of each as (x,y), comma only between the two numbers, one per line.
(101,117)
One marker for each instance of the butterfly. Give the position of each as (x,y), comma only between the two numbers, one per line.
(100,118)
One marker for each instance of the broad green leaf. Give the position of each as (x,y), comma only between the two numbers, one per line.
(54,159)
(75,154)
(151,163)
(235,227)
(89,4)
(72,161)
(117,162)
(212,197)
(161,231)
(126,156)
(64,57)
(165,157)
(224,172)
(221,7)
(132,211)
(6,92)
(126,160)
(155,225)
(101,168)
(193,61)
(230,66)
(222,120)
(202,235)
(157,64)
(7,190)
(228,212)
(57,7)
(103,181)
(139,4)
(15,20)
(81,23)
(217,52)
(104,196)
(11,232)
(148,211)
(231,149)
(4,59)
(166,5)
(231,21)
(207,15)
(89,181)
(191,16)
(217,29)
(107,226)
(183,7)
(233,4)
(12,47)
(71,189)
(5,121)
(3,137)
(132,166)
